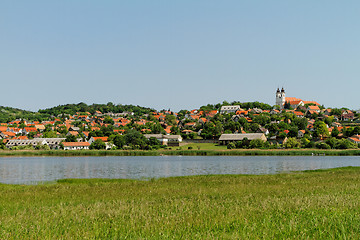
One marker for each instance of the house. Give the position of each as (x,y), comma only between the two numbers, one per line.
(53,143)
(28,130)
(355,139)
(40,127)
(33,142)
(263,130)
(299,114)
(104,139)
(314,108)
(76,145)
(301,133)
(169,140)
(327,112)
(73,133)
(227,138)
(277,140)
(229,109)
(347,115)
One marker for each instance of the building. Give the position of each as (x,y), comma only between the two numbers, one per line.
(280,98)
(229,109)
(76,145)
(293,102)
(227,138)
(169,140)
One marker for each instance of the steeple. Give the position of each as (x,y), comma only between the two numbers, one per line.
(280,97)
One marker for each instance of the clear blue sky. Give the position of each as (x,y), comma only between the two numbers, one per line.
(178,54)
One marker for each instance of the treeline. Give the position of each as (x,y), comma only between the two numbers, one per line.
(8,114)
(72,109)
(293,143)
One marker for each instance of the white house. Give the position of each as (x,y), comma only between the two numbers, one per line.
(229,109)
(76,145)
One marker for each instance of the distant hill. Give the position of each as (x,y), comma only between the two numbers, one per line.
(8,114)
(104,108)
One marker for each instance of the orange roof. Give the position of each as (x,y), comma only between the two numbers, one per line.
(30,129)
(242,112)
(355,139)
(203,119)
(313,102)
(3,129)
(76,144)
(10,134)
(295,102)
(22,138)
(289,99)
(104,139)
(73,133)
(314,108)
(167,130)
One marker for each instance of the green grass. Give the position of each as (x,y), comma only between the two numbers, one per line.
(204,146)
(321,204)
(206,149)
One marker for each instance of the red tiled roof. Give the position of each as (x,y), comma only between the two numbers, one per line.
(76,144)
(104,139)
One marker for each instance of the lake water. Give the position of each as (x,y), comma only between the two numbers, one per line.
(32,170)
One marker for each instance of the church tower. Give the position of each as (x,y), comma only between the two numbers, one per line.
(280,98)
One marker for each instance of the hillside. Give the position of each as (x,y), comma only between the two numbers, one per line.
(8,114)
(103,108)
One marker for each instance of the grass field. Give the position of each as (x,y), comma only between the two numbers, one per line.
(203,146)
(304,205)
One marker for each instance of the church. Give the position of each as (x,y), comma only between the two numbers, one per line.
(281,99)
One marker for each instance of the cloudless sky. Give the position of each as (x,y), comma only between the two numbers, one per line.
(178,54)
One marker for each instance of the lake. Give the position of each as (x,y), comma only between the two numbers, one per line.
(33,170)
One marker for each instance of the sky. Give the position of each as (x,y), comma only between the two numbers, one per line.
(178,54)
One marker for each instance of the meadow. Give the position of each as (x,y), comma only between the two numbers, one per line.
(320,204)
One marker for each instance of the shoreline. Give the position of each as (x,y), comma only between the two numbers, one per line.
(244,152)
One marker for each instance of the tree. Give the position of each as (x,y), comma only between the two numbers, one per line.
(49,134)
(135,138)
(70,138)
(292,143)
(154,142)
(98,144)
(118,140)
(335,132)
(321,129)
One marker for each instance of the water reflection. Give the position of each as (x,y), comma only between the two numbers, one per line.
(29,170)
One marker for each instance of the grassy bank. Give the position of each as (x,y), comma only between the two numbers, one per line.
(185,152)
(306,205)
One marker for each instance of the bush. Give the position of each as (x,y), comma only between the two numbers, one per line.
(322,145)
(292,143)
(231,145)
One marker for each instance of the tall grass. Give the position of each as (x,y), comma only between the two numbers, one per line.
(303,205)
(243,152)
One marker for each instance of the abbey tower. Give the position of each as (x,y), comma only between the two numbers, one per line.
(280,98)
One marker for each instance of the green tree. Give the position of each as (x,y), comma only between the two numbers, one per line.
(292,143)
(98,144)
(321,129)
(70,138)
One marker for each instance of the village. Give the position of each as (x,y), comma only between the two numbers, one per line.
(290,123)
